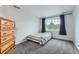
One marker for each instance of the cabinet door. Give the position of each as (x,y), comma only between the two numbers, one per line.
(6,46)
(9,49)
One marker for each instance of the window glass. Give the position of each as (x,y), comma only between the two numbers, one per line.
(52,24)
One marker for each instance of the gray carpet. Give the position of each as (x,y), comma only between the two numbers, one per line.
(54,46)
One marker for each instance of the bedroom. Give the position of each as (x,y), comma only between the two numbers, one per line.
(28,20)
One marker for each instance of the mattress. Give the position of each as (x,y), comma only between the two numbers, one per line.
(41,38)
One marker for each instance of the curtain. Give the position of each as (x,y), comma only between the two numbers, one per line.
(43,25)
(62,25)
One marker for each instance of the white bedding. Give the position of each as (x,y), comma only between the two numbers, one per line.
(41,38)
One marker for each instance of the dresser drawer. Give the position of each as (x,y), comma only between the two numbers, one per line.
(5,33)
(4,22)
(6,46)
(10,27)
(3,27)
(12,24)
(6,38)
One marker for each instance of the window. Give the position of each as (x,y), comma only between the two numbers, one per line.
(52,24)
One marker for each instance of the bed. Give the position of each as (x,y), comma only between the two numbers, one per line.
(40,38)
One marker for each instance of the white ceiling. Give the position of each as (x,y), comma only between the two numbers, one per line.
(46,10)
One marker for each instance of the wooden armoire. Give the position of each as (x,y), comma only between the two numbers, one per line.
(7,35)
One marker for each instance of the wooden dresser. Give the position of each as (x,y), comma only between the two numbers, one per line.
(7,35)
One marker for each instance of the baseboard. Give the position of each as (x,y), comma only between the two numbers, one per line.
(76,46)
(18,42)
(63,39)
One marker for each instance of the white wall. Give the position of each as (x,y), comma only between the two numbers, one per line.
(25,24)
(76,26)
(2,12)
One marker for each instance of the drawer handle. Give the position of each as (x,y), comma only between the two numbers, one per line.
(5,23)
(9,27)
(4,33)
(4,28)
(4,39)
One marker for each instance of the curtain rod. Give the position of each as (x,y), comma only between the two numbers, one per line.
(58,15)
